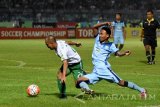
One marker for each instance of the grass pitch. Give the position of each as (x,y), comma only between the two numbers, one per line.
(24,62)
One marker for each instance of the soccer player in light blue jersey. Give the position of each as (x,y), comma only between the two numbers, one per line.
(118,31)
(102,69)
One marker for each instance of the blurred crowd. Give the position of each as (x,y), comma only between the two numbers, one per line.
(87,11)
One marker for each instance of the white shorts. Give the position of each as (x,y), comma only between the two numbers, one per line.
(118,39)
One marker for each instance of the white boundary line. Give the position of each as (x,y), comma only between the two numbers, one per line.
(78,99)
(21,63)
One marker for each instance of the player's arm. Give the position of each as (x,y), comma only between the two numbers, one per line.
(124,32)
(65,66)
(101,24)
(73,43)
(142,34)
(96,27)
(112,31)
(64,58)
(125,53)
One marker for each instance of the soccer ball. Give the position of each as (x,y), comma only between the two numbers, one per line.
(33,90)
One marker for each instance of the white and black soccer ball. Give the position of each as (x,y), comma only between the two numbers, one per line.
(33,90)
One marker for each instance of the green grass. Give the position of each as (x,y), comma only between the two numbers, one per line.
(9,24)
(41,67)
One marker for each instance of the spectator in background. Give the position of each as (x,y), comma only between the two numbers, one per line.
(18,23)
(118,31)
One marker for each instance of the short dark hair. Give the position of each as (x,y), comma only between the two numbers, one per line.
(107,29)
(50,39)
(149,10)
(118,13)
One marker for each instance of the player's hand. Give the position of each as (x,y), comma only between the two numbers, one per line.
(63,79)
(108,23)
(127,52)
(78,44)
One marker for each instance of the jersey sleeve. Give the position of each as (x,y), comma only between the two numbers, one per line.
(113,48)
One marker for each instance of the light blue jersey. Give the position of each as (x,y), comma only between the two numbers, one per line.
(118,26)
(102,51)
(118,32)
(102,68)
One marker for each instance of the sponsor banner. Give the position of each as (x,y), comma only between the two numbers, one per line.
(136,32)
(71,33)
(31,33)
(66,25)
(43,25)
(85,33)
(132,32)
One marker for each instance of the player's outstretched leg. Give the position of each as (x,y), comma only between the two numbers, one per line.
(61,85)
(135,87)
(82,83)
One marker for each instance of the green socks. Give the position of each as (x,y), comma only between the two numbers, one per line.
(61,86)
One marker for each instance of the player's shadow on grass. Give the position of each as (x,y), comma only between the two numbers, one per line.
(91,97)
(32,96)
(57,94)
(144,62)
(83,96)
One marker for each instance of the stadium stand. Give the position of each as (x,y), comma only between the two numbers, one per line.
(74,10)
